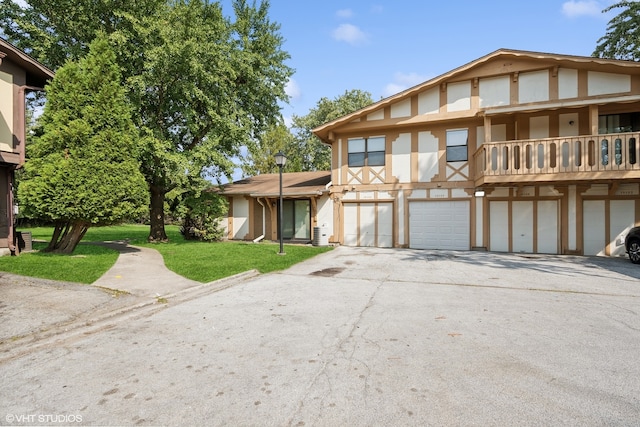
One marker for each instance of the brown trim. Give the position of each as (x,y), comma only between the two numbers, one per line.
(554,90)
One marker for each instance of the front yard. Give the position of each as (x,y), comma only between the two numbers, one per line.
(199,261)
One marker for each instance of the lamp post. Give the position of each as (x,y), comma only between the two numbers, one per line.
(281,159)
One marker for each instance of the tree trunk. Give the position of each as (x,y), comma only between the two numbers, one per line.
(157,232)
(57,232)
(66,242)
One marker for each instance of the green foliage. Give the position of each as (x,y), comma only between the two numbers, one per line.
(622,39)
(201,85)
(309,152)
(203,215)
(261,153)
(82,169)
(54,31)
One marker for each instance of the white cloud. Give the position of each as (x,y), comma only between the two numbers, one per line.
(402,81)
(574,8)
(344,13)
(350,34)
(292,89)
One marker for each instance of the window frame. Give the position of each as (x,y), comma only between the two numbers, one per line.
(454,145)
(366,157)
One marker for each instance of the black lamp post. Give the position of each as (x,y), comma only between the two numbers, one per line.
(281,159)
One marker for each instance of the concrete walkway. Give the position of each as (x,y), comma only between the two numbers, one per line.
(141,272)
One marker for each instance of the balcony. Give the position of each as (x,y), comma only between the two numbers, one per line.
(575,158)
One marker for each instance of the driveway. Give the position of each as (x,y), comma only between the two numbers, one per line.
(362,337)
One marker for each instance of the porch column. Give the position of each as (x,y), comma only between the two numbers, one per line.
(487,129)
(593,119)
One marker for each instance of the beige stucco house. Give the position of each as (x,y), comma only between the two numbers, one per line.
(514,152)
(253,206)
(19,74)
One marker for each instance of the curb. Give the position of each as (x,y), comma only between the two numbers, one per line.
(80,327)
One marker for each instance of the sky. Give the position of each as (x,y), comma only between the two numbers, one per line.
(386,46)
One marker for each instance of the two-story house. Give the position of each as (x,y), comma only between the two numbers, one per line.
(19,74)
(516,151)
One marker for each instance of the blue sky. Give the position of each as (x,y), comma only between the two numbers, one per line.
(385,46)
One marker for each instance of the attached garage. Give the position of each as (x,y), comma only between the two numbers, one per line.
(618,214)
(368,224)
(442,224)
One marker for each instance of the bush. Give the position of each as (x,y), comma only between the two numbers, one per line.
(203,218)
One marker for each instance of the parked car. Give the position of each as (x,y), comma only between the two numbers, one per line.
(632,245)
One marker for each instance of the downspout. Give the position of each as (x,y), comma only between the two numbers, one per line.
(264,218)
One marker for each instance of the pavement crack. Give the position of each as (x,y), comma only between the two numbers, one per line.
(339,349)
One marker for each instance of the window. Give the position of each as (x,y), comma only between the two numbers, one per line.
(366,151)
(457,145)
(617,123)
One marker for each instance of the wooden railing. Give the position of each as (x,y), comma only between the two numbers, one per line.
(575,157)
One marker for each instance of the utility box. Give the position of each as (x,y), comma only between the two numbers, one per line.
(320,236)
(25,241)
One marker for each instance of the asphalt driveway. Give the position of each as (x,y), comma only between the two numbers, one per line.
(359,336)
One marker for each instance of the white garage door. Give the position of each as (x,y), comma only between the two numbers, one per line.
(439,225)
(522,226)
(621,218)
(368,224)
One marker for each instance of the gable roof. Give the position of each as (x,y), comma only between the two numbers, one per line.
(294,184)
(37,74)
(608,65)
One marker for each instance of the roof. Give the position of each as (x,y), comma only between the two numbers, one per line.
(37,74)
(323,131)
(294,184)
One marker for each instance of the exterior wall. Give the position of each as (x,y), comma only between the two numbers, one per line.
(585,220)
(12,134)
(239,218)
(250,217)
(6,111)
(522,100)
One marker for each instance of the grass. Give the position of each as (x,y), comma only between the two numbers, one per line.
(199,261)
(85,265)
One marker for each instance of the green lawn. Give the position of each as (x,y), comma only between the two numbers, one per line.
(203,262)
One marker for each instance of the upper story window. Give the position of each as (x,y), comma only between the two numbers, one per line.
(366,151)
(618,123)
(457,145)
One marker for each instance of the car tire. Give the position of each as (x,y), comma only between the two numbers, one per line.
(634,251)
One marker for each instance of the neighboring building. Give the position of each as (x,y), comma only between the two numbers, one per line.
(253,206)
(514,152)
(19,74)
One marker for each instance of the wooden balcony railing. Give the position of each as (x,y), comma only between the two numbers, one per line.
(566,158)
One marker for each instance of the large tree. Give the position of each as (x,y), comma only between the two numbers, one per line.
(622,40)
(82,169)
(202,85)
(53,31)
(311,152)
(260,157)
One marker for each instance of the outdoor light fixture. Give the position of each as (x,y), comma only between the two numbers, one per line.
(281,159)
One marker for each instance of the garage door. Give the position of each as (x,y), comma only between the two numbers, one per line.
(368,224)
(621,218)
(522,226)
(439,225)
